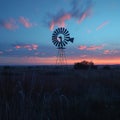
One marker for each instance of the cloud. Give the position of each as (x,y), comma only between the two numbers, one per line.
(20,50)
(108,52)
(27,49)
(102,25)
(25,22)
(1,52)
(12,24)
(82,47)
(9,24)
(90,48)
(94,48)
(83,16)
(26,46)
(9,50)
(59,20)
(79,10)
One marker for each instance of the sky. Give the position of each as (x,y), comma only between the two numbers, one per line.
(26,28)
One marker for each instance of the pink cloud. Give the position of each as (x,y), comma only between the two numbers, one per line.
(17,46)
(35,46)
(52,24)
(90,48)
(9,24)
(27,46)
(31,47)
(79,10)
(102,25)
(94,48)
(106,52)
(82,47)
(12,24)
(84,15)
(25,22)
(60,21)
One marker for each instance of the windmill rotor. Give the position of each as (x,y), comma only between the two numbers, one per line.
(61,37)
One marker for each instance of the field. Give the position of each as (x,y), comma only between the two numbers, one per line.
(51,93)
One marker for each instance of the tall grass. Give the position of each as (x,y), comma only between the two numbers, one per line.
(52,94)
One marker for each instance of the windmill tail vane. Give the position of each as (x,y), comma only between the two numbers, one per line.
(71,40)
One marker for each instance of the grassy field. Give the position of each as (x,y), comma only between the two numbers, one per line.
(50,93)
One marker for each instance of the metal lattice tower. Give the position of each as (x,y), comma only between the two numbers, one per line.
(60,39)
(61,57)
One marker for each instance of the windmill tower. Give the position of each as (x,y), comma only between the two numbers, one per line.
(60,39)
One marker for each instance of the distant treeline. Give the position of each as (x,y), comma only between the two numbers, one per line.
(85,65)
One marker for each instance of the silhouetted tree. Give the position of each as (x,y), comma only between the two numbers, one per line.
(85,65)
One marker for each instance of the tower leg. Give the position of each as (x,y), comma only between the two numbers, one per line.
(61,58)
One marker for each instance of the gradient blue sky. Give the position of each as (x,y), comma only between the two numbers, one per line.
(26,27)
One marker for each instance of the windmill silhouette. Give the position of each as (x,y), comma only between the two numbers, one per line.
(60,39)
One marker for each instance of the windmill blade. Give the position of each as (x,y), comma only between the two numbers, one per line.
(63,43)
(55,32)
(62,30)
(67,40)
(57,43)
(66,32)
(54,41)
(60,45)
(59,30)
(54,37)
(67,35)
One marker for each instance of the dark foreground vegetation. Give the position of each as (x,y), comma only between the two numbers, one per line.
(38,93)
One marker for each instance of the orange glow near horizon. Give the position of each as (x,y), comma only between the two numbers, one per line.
(98,61)
(52,61)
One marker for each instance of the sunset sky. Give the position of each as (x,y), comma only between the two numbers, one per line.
(26,28)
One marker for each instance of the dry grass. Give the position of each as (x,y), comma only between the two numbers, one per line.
(54,94)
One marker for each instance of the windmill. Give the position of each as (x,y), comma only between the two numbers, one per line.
(60,39)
